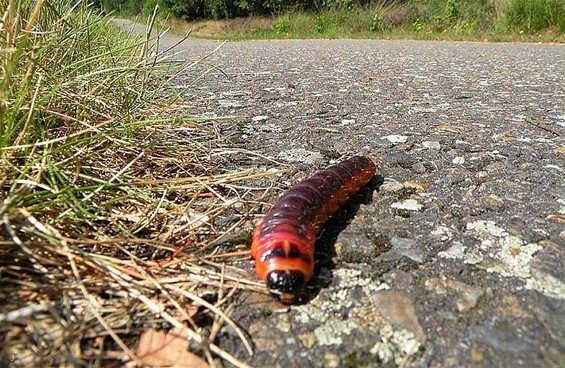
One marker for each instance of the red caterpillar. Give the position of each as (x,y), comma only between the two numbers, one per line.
(283,244)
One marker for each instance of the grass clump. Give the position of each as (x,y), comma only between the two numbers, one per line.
(498,20)
(104,182)
(531,16)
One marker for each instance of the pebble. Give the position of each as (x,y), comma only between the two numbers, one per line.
(399,280)
(264,338)
(492,202)
(462,145)
(401,159)
(419,168)
(431,145)
(459,160)
(284,326)
(403,247)
(230,103)
(307,339)
(398,309)
(402,243)
(395,138)
(391,185)
(510,306)
(259,118)
(331,360)
(408,205)
(457,251)
(467,295)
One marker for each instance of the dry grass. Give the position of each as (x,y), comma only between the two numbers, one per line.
(118,213)
(225,28)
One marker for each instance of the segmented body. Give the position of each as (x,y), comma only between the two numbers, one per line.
(283,244)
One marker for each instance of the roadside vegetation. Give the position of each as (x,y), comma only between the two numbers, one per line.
(109,192)
(490,20)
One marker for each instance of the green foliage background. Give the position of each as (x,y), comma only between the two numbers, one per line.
(465,16)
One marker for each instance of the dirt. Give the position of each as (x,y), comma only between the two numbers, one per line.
(455,257)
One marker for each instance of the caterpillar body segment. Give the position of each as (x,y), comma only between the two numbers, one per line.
(283,244)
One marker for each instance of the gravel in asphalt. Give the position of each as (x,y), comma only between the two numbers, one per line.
(456,259)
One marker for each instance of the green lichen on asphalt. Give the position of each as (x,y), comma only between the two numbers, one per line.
(362,324)
(509,256)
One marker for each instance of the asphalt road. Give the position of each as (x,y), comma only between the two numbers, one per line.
(456,258)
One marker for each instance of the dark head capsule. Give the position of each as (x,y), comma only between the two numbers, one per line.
(285,284)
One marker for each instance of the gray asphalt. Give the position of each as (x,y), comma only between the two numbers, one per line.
(457,259)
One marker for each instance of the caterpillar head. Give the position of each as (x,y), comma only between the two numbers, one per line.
(286,284)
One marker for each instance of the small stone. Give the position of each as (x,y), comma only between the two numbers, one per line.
(457,251)
(395,138)
(230,103)
(284,326)
(403,247)
(401,159)
(331,360)
(462,145)
(398,309)
(492,202)
(477,355)
(264,338)
(399,280)
(259,118)
(459,160)
(510,306)
(404,243)
(431,145)
(307,339)
(347,121)
(419,168)
(391,185)
(467,295)
(408,205)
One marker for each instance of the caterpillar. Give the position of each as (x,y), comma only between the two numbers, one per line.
(283,243)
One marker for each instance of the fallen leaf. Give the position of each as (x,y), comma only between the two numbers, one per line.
(158,348)
(448,128)
(556,218)
(421,187)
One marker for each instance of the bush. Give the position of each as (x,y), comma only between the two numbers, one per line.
(121,6)
(283,26)
(191,9)
(535,15)
(429,16)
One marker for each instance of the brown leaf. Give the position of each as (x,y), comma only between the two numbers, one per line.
(158,348)
(556,218)
(420,187)
(448,128)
